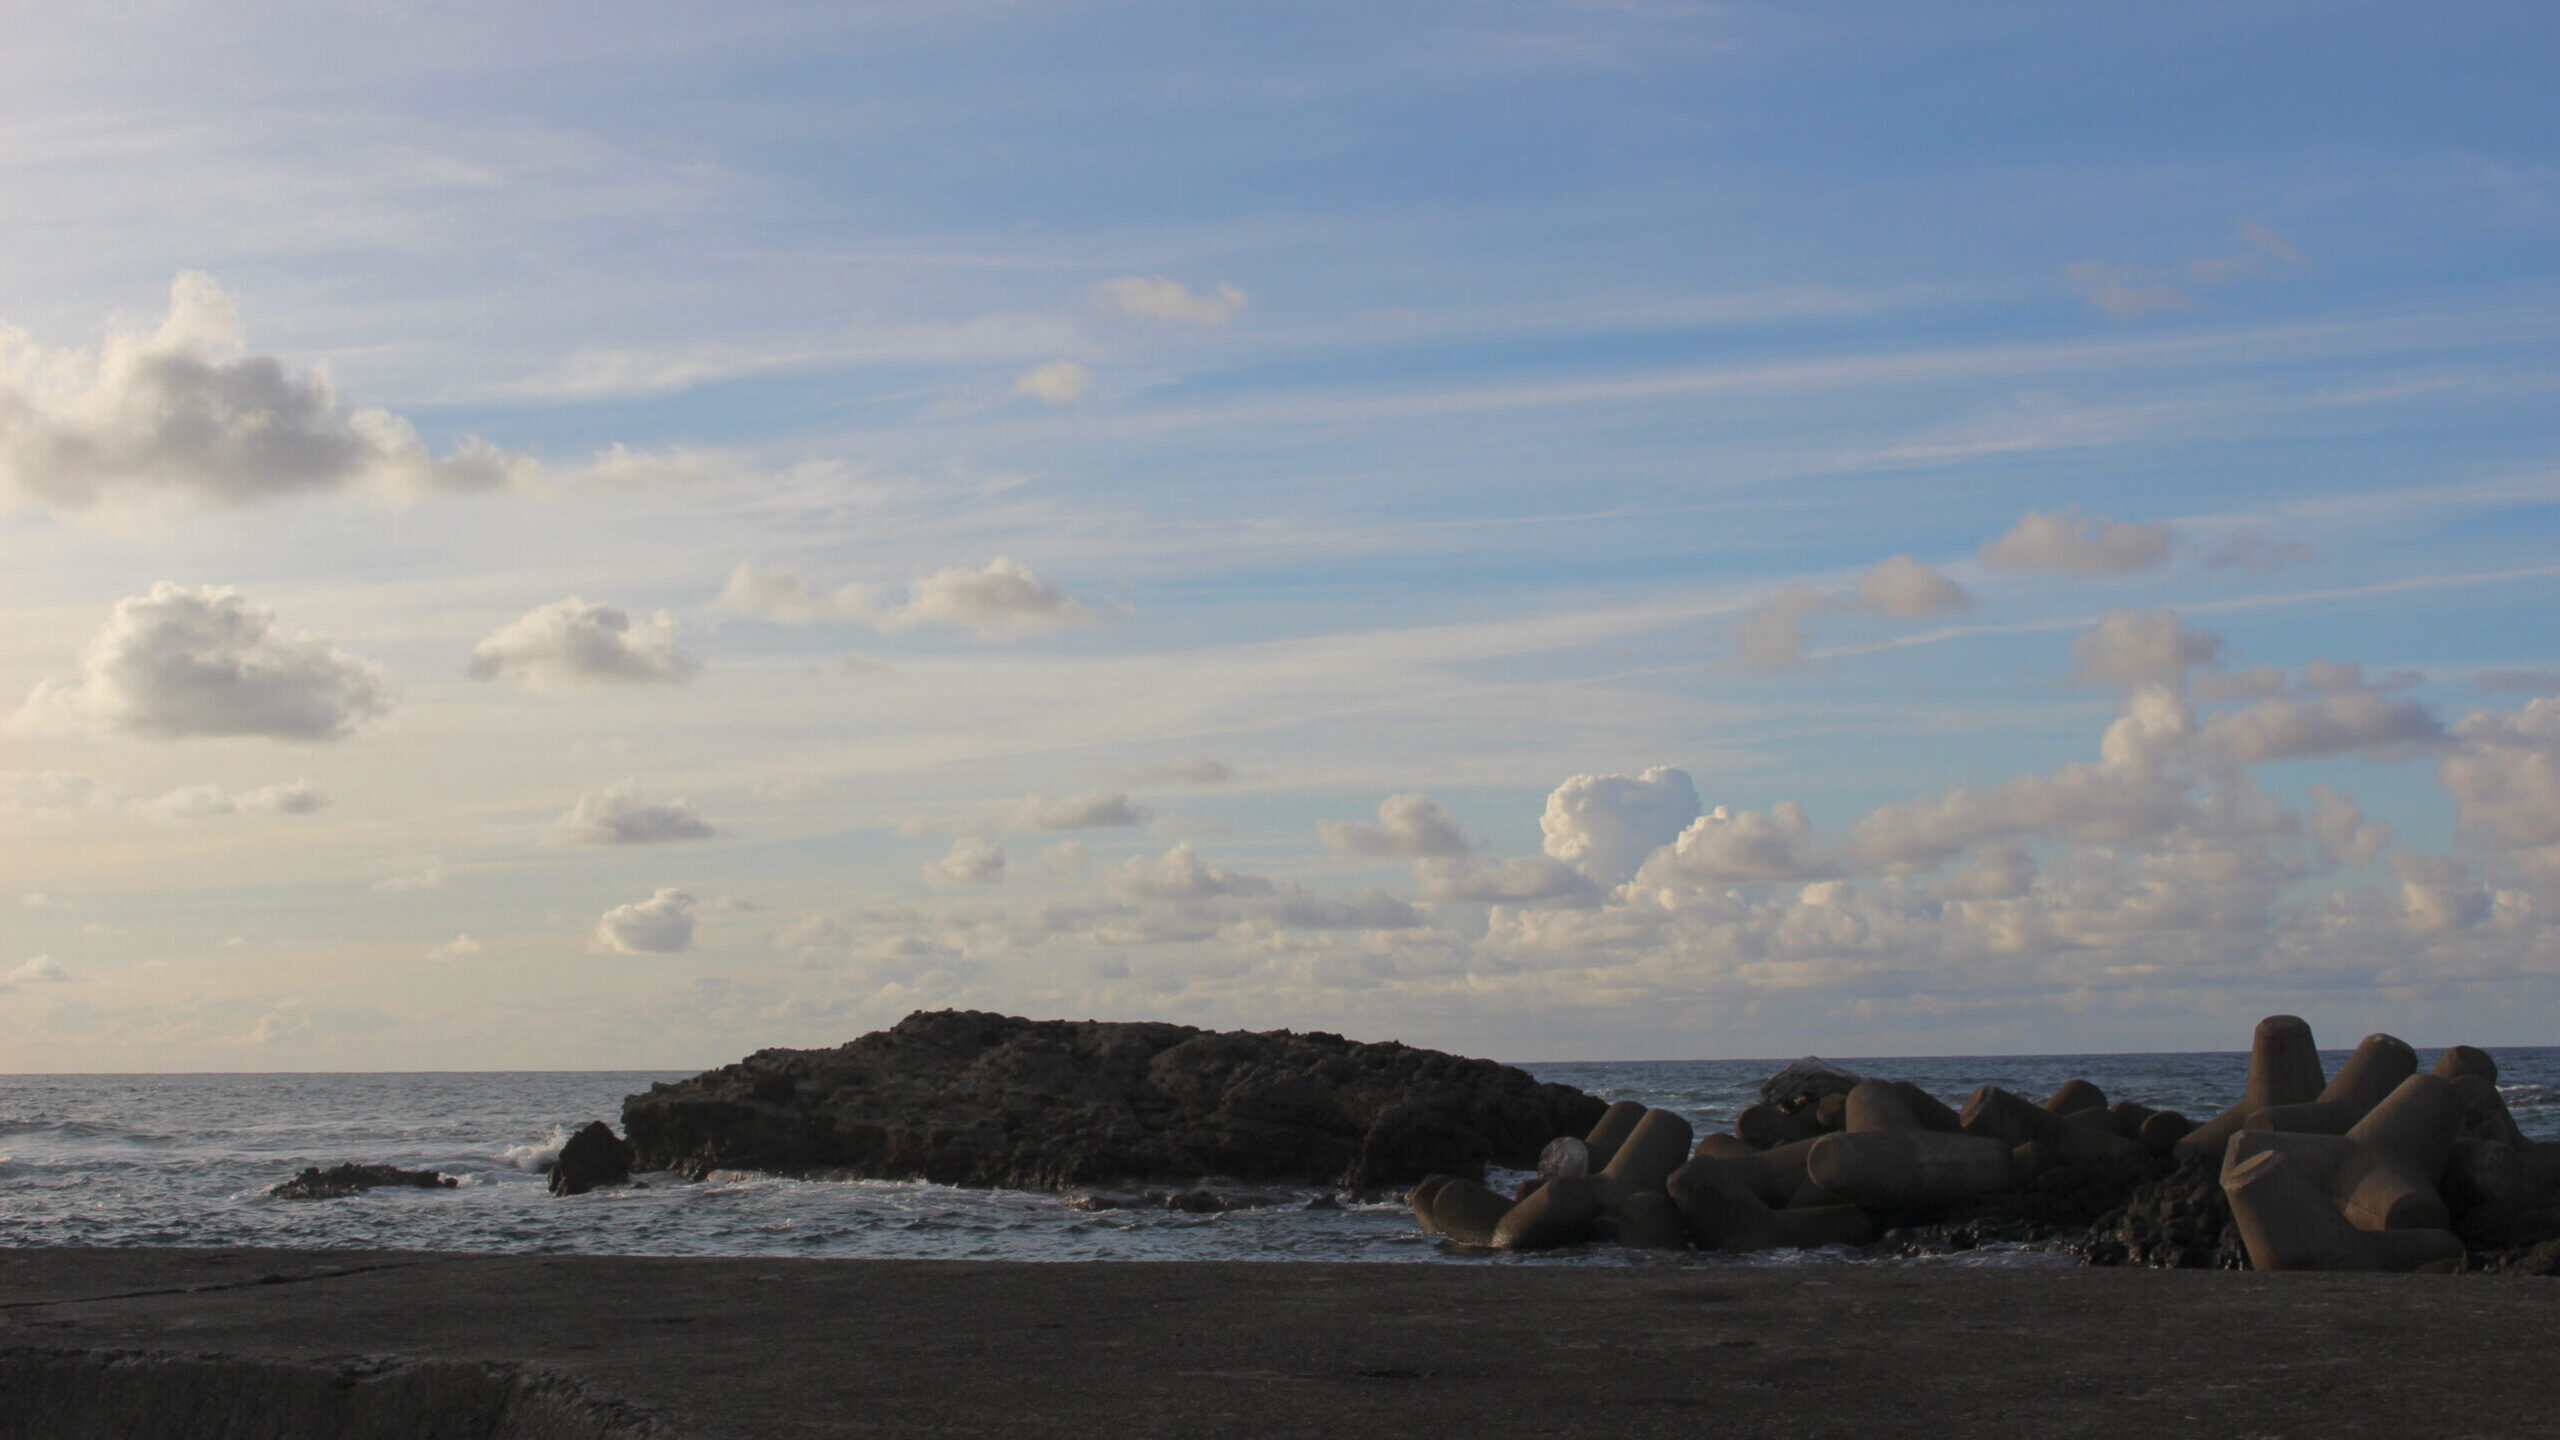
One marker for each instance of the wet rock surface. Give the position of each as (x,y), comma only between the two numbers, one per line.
(339,1181)
(592,1157)
(969,1098)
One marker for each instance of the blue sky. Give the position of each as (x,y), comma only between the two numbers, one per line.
(1557,531)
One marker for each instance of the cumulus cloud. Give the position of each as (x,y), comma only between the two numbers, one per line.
(2067,541)
(1605,825)
(969,861)
(1907,589)
(1532,880)
(576,642)
(2344,834)
(1153,297)
(1724,846)
(1180,874)
(2292,727)
(659,925)
(55,794)
(207,801)
(40,970)
(1772,637)
(1002,598)
(2505,775)
(1067,857)
(2098,804)
(1407,825)
(616,815)
(2131,648)
(179,663)
(1060,382)
(1099,810)
(186,411)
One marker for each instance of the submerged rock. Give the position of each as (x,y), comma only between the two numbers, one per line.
(970,1098)
(338,1181)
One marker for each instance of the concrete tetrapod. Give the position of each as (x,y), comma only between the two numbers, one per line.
(1715,1197)
(2377,1067)
(1419,1197)
(1470,1214)
(2284,1069)
(1612,1129)
(2074,1096)
(1893,1169)
(1658,1145)
(2014,1120)
(2382,1174)
(1560,1213)
(2288,1222)
(1767,1126)
(1647,1220)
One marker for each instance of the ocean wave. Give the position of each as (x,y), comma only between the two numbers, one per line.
(539,1156)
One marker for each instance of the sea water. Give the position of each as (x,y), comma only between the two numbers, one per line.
(189,1159)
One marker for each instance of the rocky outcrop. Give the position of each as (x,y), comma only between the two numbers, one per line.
(339,1181)
(592,1157)
(969,1098)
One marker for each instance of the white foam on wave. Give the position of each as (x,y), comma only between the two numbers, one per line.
(539,1156)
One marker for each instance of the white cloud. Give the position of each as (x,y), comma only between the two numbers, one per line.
(1724,846)
(2345,835)
(201,802)
(1770,637)
(1067,857)
(41,970)
(2068,541)
(1100,810)
(659,925)
(1514,880)
(1154,297)
(1003,598)
(459,947)
(616,815)
(2131,648)
(1180,874)
(179,663)
(188,412)
(2291,727)
(1604,825)
(1407,825)
(2098,804)
(576,642)
(2505,780)
(970,861)
(1906,589)
(1060,382)
(55,794)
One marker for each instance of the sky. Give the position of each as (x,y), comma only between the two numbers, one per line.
(614,536)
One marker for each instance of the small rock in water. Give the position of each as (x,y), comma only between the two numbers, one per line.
(1564,1155)
(338,1181)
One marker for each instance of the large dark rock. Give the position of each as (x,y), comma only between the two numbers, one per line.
(592,1157)
(969,1098)
(339,1181)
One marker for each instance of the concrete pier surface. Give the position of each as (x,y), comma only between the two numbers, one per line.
(729,1349)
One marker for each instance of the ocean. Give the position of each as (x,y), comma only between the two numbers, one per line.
(188,1160)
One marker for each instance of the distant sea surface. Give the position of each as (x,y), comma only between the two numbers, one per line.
(188,1160)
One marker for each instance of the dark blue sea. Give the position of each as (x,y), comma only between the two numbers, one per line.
(188,1160)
